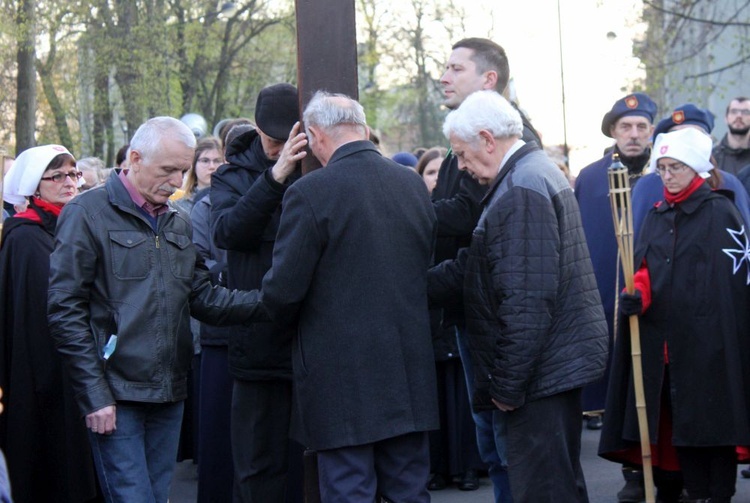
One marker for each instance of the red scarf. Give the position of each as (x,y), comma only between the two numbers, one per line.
(684,193)
(32,215)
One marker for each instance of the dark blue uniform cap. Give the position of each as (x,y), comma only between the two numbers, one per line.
(686,114)
(632,104)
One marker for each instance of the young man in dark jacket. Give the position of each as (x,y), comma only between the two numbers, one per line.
(246,196)
(534,319)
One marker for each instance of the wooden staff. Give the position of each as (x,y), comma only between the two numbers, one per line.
(622,216)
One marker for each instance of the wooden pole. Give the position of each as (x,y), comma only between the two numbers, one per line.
(326,60)
(326,53)
(622,216)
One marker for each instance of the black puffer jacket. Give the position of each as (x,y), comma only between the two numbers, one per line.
(245,212)
(533,313)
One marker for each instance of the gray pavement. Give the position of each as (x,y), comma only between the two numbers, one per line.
(603,479)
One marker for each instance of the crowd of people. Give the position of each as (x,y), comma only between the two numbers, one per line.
(383,326)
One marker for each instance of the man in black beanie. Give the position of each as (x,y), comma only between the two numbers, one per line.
(246,196)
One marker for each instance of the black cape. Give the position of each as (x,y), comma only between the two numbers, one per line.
(42,433)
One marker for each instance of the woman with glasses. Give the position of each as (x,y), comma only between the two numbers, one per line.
(42,431)
(692,302)
(208,158)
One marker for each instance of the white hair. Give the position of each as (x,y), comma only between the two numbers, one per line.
(483,110)
(328,113)
(148,136)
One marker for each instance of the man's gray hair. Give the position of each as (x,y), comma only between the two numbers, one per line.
(148,136)
(92,164)
(327,113)
(483,110)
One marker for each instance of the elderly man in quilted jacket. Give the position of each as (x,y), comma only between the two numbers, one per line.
(536,328)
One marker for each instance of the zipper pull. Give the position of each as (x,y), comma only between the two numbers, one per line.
(157,241)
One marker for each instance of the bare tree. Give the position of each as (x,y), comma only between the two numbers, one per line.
(692,47)
(26,76)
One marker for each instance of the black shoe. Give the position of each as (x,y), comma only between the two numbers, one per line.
(437,483)
(594,423)
(745,473)
(468,481)
(633,492)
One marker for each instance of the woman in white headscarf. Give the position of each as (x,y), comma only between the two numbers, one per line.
(692,298)
(42,432)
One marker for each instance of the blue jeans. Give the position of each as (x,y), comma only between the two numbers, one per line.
(137,461)
(492,430)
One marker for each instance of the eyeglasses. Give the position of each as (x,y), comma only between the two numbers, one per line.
(60,177)
(739,111)
(673,169)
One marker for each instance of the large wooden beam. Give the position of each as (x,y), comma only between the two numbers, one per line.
(326,52)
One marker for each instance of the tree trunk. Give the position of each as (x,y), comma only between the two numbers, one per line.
(58,111)
(128,75)
(26,78)
(104,138)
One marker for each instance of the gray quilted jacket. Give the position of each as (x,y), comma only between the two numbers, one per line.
(533,313)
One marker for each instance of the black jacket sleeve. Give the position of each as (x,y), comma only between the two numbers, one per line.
(239,217)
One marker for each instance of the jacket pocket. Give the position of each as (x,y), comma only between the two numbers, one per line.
(181,255)
(131,254)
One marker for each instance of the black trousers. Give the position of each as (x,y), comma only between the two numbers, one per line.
(544,450)
(261,412)
(215,470)
(708,472)
(396,469)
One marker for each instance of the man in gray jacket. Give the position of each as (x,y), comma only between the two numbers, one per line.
(124,279)
(534,319)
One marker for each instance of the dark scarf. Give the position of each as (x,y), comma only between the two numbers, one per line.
(682,195)
(635,164)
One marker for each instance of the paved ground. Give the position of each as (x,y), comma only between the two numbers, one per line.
(602,477)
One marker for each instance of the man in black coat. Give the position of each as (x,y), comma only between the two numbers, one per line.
(246,198)
(350,269)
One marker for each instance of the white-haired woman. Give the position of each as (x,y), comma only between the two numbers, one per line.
(41,432)
(692,301)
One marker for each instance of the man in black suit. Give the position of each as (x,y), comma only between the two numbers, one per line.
(350,267)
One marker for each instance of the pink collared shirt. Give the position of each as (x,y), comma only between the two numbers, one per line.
(139,200)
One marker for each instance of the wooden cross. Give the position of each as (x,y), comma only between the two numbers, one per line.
(326,60)
(326,53)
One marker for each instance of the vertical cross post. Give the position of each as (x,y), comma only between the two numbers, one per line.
(326,52)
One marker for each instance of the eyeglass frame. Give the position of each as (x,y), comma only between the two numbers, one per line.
(674,169)
(739,111)
(208,160)
(73,175)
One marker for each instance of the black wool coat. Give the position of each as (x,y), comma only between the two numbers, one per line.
(350,265)
(697,262)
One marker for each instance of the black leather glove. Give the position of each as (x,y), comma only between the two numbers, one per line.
(631,304)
